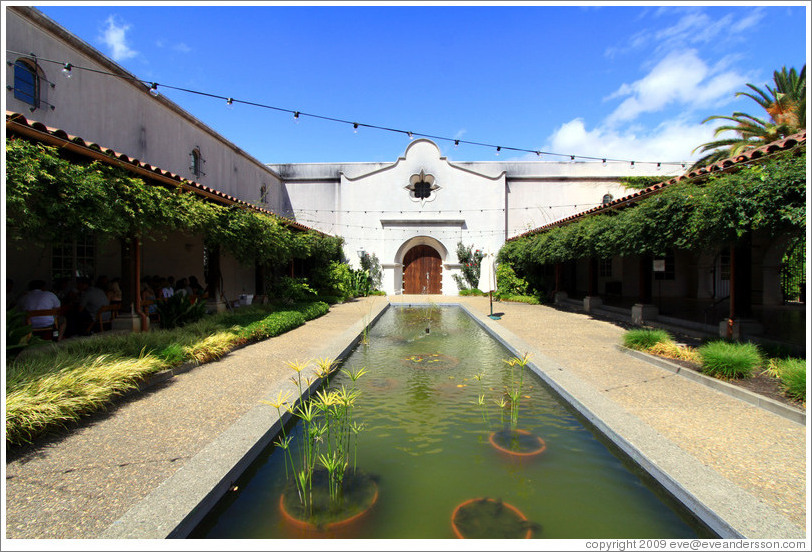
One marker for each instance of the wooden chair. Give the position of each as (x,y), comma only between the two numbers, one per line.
(50,332)
(100,324)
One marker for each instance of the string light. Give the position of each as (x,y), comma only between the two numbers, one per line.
(66,70)
(230,103)
(498,149)
(296,115)
(355,128)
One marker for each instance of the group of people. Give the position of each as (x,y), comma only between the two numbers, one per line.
(157,287)
(78,301)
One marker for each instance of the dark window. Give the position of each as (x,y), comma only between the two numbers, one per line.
(73,258)
(670,268)
(27,82)
(196,163)
(263,194)
(422,190)
(607,199)
(605,267)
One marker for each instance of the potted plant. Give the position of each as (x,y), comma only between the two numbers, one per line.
(509,439)
(326,490)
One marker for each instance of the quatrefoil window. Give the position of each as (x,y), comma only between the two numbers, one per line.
(422,187)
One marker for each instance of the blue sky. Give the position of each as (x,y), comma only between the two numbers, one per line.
(628,82)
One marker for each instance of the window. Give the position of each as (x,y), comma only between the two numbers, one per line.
(74,258)
(422,189)
(263,194)
(724,264)
(670,268)
(605,267)
(607,199)
(196,163)
(27,82)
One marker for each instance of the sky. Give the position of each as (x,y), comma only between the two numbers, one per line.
(629,82)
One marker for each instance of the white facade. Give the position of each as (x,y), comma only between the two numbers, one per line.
(481,204)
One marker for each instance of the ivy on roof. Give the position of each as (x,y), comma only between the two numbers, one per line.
(50,197)
(690,215)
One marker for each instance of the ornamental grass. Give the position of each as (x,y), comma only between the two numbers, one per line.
(792,373)
(729,360)
(669,349)
(47,387)
(645,339)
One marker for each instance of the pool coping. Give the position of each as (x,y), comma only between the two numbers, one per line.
(181,502)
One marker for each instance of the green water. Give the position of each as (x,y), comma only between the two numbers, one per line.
(426,441)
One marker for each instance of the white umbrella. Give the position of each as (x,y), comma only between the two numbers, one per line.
(487,278)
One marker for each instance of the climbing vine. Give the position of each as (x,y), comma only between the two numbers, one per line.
(50,197)
(769,197)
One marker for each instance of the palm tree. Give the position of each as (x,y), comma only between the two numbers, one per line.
(786,106)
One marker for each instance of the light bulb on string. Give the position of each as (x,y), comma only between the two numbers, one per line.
(355,128)
(604,162)
(154,89)
(498,149)
(230,103)
(632,164)
(66,70)
(296,117)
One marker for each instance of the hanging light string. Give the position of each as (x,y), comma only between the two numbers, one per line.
(447,211)
(154,87)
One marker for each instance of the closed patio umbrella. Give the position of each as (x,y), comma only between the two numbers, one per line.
(487,278)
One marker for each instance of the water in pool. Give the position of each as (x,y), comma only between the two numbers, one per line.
(428,443)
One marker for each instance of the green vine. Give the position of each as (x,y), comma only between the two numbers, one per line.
(768,197)
(50,197)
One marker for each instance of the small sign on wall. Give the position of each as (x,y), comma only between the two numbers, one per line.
(659,265)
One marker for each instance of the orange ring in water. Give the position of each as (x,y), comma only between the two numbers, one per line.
(334,525)
(467,502)
(514,453)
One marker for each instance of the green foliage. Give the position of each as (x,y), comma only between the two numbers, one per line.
(641,182)
(792,372)
(179,310)
(47,387)
(508,283)
(51,198)
(18,333)
(793,268)
(729,360)
(529,299)
(644,339)
(472,293)
(770,197)
(334,279)
(371,264)
(360,283)
(471,261)
(293,290)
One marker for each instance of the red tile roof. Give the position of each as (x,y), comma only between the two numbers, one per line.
(17,122)
(723,165)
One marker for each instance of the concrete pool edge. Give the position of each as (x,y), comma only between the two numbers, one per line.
(178,504)
(725,508)
(176,507)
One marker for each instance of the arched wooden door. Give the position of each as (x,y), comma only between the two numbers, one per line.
(422,271)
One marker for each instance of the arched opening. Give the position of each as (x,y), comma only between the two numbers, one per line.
(422,271)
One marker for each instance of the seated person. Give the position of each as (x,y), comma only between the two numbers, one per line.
(39,298)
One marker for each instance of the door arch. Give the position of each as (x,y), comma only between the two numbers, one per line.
(422,271)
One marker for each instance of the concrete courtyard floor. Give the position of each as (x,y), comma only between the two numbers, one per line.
(742,461)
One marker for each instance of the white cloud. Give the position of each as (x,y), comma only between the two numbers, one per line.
(671,141)
(680,79)
(114,37)
(182,48)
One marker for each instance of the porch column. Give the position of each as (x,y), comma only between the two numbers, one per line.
(643,310)
(558,294)
(214,279)
(130,316)
(740,321)
(592,300)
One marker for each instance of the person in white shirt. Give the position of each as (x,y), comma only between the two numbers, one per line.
(39,298)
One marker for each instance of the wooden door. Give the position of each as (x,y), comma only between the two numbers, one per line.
(422,271)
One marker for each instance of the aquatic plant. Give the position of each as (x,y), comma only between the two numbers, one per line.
(328,438)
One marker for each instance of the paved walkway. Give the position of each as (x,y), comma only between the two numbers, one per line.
(76,486)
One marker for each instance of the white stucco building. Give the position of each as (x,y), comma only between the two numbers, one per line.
(411,213)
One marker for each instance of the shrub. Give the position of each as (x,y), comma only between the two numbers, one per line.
(669,349)
(508,283)
(179,310)
(471,292)
(293,290)
(644,339)
(729,360)
(529,299)
(792,372)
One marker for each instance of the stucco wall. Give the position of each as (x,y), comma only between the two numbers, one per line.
(120,114)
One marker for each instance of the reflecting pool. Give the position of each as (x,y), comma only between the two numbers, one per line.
(429,442)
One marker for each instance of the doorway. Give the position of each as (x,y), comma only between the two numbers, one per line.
(422,271)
